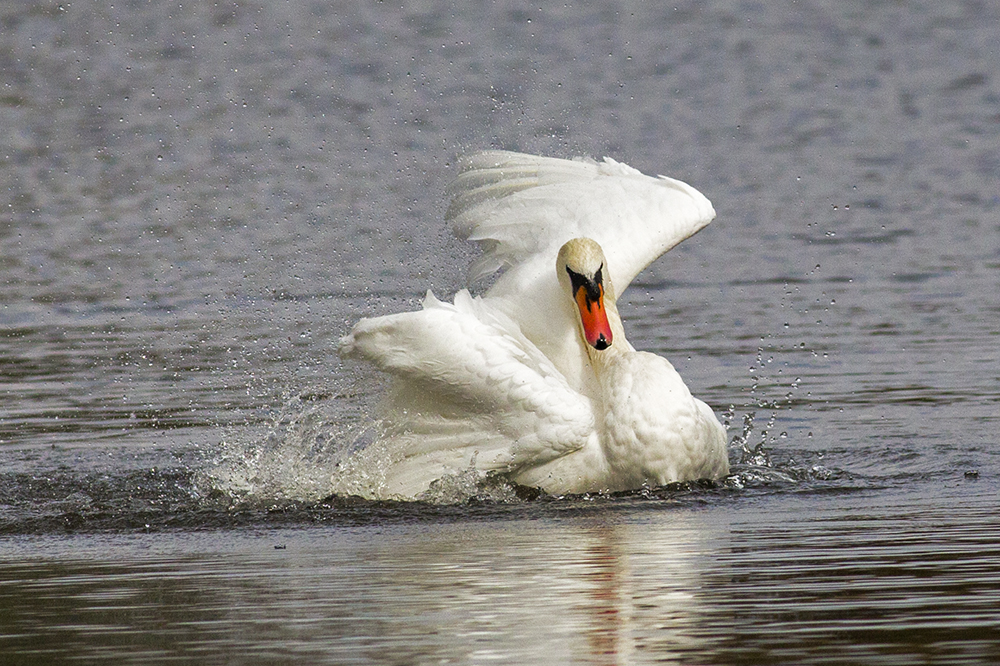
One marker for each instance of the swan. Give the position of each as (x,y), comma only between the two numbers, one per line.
(535,379)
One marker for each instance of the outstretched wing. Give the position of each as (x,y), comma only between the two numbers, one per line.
(468,388)
(521,209)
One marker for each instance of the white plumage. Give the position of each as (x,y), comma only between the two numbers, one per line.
(508,382)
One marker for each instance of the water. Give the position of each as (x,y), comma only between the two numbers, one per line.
(199,199)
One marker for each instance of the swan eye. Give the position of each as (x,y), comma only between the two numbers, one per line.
(594,288)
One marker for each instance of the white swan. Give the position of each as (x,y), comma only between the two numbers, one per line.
(535,379)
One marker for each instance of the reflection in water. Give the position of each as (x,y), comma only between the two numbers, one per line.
(610,598)
(573,592)
(640,593)
(618,582)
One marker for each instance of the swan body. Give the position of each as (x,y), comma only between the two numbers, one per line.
(535,379)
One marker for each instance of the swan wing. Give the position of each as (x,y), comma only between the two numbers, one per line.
(521,209)
(468,390)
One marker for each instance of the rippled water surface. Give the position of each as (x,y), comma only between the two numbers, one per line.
(198,199)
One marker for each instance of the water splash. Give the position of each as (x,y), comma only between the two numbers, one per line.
(328,445)
(752,448)
(311,449)
(473,485)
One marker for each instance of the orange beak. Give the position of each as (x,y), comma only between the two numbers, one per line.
(596,328)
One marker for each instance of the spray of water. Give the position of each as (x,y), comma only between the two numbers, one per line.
(310,449)
(328,444)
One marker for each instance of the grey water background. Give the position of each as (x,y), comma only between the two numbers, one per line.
(197,199)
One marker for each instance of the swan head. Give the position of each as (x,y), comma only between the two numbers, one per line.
(582,268)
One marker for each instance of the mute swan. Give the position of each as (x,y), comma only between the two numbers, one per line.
(535,379)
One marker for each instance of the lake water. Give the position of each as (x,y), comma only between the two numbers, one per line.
(198,199)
